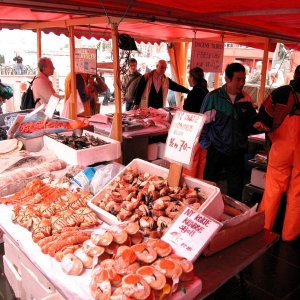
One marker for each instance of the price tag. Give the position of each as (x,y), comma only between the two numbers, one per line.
(191,232)
(51,106)
(183,136)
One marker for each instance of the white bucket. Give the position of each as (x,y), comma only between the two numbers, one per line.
(152,151)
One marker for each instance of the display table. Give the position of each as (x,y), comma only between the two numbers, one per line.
(135,142)
(213,271)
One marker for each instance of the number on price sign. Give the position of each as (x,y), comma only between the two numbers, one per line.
(183,136)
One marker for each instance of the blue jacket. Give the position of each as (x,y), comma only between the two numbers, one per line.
(227,124)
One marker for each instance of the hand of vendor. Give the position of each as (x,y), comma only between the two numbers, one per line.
(261,126)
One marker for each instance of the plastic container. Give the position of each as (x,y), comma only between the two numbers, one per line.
(152,151)
(14,278)
(12,252)
(85,157)
(161,150)
(213,205)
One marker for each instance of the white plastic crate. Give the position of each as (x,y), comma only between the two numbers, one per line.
(12,252)
(213,205)
(258,178)
(14,278)
(85,157)
(35,284)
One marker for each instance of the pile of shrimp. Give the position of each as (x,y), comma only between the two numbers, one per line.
(147,199)
(124,263)
(138,271)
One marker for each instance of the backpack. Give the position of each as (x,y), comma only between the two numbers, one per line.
(6,92)
(27,101)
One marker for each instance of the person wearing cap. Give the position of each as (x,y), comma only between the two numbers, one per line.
(280,115)
(193,103)
(152,90)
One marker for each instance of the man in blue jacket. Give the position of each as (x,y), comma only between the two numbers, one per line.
(230,115)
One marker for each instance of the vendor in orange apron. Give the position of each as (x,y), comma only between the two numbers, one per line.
(281,113)
(81,83)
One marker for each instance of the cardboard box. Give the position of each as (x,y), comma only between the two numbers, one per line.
(258,178)
(85,157)
(248,223)
(213,205)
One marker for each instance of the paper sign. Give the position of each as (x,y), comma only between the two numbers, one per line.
(86,60)
(207,55)
(183,136)
(51,106)
(191,232)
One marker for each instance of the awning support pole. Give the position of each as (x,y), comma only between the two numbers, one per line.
(264,73)
(117,119)
(39,43)
(73,103)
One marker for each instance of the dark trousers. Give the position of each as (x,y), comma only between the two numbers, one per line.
(129,105)
(234,168)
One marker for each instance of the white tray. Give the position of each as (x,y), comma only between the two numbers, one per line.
(213,205)
(85,157)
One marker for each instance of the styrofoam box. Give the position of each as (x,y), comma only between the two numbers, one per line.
(12,252)
(213,205)
(33,144)
(55,296)
(258,178)
(85,157)
(13,277)
(35,284)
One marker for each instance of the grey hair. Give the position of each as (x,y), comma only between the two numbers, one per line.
(43,62)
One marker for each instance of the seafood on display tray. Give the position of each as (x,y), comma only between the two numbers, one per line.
(147,199)
(123,262)
(47,210)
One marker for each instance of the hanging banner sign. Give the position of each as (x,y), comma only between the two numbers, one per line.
(191,232)
(183,136)
(86,60)
(207,55)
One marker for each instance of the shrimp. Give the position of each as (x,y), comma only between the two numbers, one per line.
(162,248)
(153,277)
(135,286)
(100,285)
(144,253)
(169,268)
(102,239)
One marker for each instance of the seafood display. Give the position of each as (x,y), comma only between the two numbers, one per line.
(148,199)
(21,174)
(78,142)
(45,210)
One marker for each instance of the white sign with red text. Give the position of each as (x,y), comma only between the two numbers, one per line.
(183,136)
(208,55)
(191,232)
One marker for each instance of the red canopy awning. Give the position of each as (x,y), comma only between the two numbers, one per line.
(166,20)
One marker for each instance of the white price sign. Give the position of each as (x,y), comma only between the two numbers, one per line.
(207,55)
(183,136)
(51,106)
(191,232)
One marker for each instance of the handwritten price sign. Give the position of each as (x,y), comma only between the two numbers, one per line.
(183,136)
(191,232)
